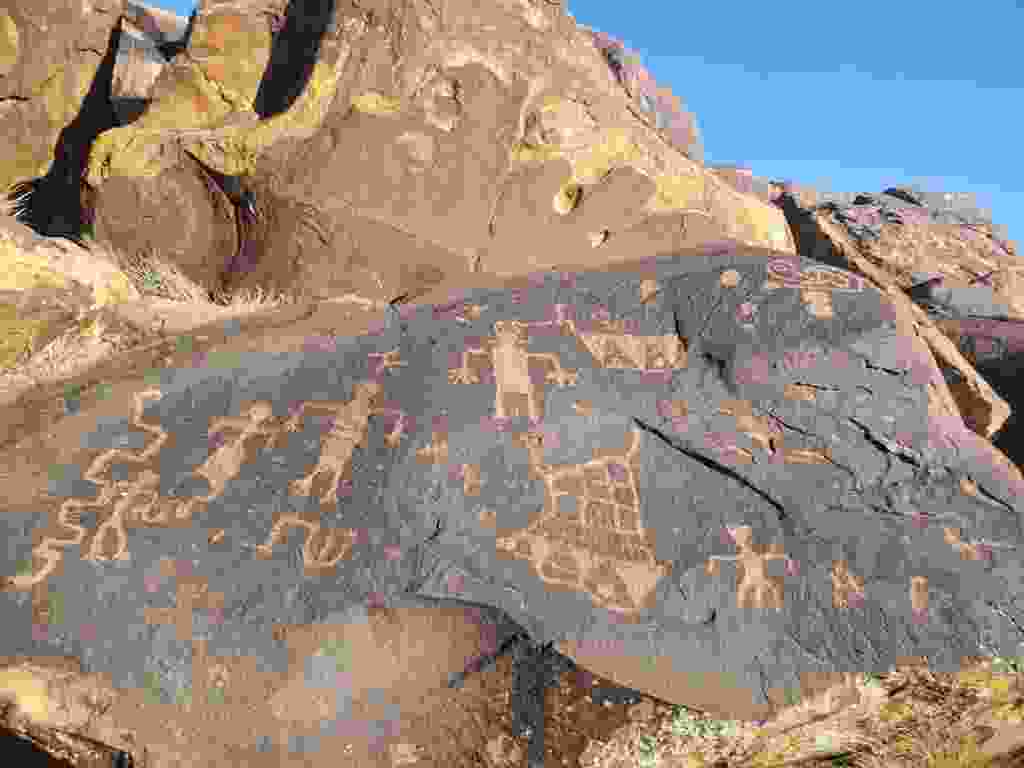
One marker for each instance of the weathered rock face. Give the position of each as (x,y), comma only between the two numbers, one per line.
(898,245)
(719,478)
(364,131)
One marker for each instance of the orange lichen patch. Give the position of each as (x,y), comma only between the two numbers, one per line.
(488,517)
(755,589)
(845,585)
(802,392)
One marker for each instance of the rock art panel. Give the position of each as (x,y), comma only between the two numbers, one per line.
(589,536)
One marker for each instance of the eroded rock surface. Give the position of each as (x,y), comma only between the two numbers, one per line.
(715,478)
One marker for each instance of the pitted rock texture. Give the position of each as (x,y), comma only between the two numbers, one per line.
(714,478)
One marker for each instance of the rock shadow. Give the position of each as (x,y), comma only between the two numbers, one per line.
(59,204)
(293,55)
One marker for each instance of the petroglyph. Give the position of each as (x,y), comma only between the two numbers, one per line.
(648,290)
(507,353)
(589,536)
(226,461)
(783,273)
(100,464)
(755,589)
(802,392)
(730,278)
(121,495)
(816,284)
(975,550)
(919,595)
(323,548)
(349,429)
(134,498)
(436,452)
(847,588)
(191,595)
(613,347)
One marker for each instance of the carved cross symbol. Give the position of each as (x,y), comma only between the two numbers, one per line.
(191,595)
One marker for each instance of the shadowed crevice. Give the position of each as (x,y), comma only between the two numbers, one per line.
(293,55)
(59,204)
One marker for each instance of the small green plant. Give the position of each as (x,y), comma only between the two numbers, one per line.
(1008,666)
(648,755)
(151,281)
(685,724)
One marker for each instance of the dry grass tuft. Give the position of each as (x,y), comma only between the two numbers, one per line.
(909,718)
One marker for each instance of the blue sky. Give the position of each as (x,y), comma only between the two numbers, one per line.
(852,98)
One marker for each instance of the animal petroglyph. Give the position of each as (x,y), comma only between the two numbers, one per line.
(349,430)
(756,589)
(323,548)
(589,536)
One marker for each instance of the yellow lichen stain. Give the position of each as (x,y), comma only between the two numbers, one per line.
(615,150)
(676,191)
(374,103)
(567,198)
(16,335)
(9,43)
(525,153)
(29,692)
(895,712)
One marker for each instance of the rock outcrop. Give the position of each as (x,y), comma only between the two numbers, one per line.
(719,440)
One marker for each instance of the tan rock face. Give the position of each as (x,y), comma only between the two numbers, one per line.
(410,133)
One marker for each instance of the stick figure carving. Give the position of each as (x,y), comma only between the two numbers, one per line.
(507,352)
(226,461)
(351,424)
(756,588)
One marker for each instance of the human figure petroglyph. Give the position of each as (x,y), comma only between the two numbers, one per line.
(919,596)
(350,428)
(755,589)
(323,548)
(847,588)
(69,516)
(507,352)
(226,461)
